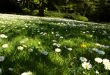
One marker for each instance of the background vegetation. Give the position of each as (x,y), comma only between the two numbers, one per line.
(92,10)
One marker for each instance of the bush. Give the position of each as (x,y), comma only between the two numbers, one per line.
(81,18)
(26,11)
(75,17)
(55,14)
(69,16)
(35,12)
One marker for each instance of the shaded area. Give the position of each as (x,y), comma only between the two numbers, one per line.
(9,6)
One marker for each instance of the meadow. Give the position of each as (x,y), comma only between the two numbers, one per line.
(53,46)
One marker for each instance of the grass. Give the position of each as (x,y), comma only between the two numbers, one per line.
(32,42)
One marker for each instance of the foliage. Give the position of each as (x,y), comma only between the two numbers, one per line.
(75,16)
(35,12)
(26,11)
(81,18)
(55,14)
(94,10)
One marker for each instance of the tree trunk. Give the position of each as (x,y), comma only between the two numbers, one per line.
(41,7)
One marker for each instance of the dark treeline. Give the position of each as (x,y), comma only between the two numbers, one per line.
(9,6)
(92,10)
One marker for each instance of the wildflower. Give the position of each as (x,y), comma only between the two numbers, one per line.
(0,71)
(107,66)
(4,45)
(27,73)
(45,52)
(55,44)
(84,32)
(97,72)
(83,59)
(24,40)
(93,31)
(108,37)
(87,31)
(86,65)
(44,33)
(57,50)
(98,51)
(10,69)
(98,60)
(105,61)
(30,50)
(106,46)
(83,46)
(24,46)
(2,58)
(52,32)
(70,49)
(61,37)
(39,43)
(57,34)
(97,44)
(101,52)
(20,48)
(54,41)
(95,49)
(90,35)
(3,36)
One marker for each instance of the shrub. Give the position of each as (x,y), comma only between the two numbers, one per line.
(55,14)
(35,12)
(69,16)
(26,11)
(81,18)
(75,17)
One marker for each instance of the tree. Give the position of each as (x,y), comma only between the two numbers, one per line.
(42,6)
(103,10)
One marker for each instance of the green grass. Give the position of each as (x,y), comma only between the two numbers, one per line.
(39,37)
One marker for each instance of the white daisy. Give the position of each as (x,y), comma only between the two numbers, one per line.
(82,59)
(20,48)
(98,60)
(86,65)
(57,50)
(5,46)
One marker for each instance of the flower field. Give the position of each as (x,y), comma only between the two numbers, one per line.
(53,46)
